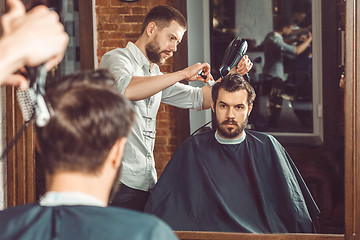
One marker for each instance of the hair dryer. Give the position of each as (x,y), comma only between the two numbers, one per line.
(32,103)
(233,54)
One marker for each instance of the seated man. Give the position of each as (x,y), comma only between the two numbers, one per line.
(83,145)
(231,179)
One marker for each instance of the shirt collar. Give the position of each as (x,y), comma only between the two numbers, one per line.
(70,198)
(139,57)
(230,141)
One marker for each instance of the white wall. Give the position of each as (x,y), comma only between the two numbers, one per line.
(254,19)
(198,49)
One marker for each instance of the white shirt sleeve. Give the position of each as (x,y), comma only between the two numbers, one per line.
(120,65)
(183,96)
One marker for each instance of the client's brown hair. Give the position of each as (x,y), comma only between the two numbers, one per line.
(90,115)
(231,83)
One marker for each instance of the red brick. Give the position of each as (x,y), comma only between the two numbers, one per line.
(125,28)
(107,26)
(169,108)
(163,132)
(160,148)
(134,18)
(171,148)
(132,36)
(163,124)
(115,3)
(104,10)
(101,52)
(139,10)
(116,35)
(116,18)
(165,69)
(112,43)
(160,140)
(162,107)
(136,27)
(164,156)
(102,35)
(163,115)
(103,3)
(103,18)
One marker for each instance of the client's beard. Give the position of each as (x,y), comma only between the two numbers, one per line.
(116,184)
(233,134)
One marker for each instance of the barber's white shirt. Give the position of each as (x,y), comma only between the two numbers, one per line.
(138,169)
(70,198)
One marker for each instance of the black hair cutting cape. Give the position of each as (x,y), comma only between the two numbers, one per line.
(251,187)
(37,222)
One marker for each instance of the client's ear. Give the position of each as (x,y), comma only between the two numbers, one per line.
(117,152)
(250,109)
(212,105)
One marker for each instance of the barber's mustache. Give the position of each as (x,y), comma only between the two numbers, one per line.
(167,52)
(229,121)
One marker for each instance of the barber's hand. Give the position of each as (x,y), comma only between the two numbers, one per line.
(191,72)
(243,66)
(310,36)
(17,80)
(38,35)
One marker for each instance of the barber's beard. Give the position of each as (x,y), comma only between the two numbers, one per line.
(230,132)
(154,54)
(116,184)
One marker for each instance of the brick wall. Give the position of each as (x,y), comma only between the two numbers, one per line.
(117,23)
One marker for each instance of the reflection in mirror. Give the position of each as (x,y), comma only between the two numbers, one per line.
(228,180)
(321,165)
(280,46)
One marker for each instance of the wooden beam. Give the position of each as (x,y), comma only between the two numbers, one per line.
(86,29)
(352,121)
(188,235)
(181,62)
(21,158)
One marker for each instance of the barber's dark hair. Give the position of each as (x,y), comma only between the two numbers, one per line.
(162,16)
(90,115)
(231,83)
(281,21)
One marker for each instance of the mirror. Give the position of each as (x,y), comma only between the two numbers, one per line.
(318,149)
(352,131)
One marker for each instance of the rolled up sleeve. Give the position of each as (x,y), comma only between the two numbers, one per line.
(183,96)
(284,47)
(121,66)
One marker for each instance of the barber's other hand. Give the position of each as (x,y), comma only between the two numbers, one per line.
(17,80)
(37,35)
(191,72)
(243,67)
